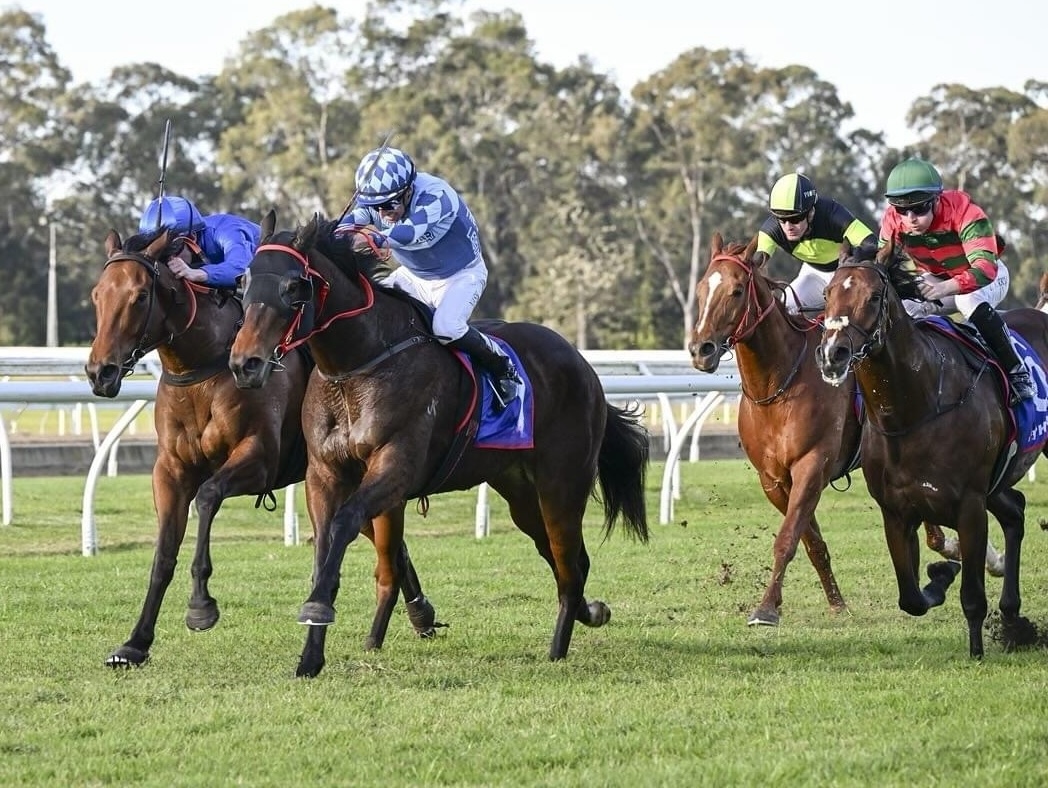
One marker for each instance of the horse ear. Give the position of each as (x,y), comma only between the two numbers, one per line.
(113,243)
(886,253)
(269,225)
(159,245)
(717,246)
(305,235)
(845,251)
(748,254)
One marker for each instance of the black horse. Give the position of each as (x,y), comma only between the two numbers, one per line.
(384,422)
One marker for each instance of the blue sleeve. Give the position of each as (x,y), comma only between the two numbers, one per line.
(238,247)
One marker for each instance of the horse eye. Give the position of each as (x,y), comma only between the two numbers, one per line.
(142,296)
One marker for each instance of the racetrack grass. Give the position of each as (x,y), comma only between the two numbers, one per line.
(676,690)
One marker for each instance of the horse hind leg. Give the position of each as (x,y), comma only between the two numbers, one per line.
(562,548)
(1016,631)
(949,547)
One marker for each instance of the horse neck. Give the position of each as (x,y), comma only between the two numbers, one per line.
(200,335)
(353,335)
(900,380)
(768,355)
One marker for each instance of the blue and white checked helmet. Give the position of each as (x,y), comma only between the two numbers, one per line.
(384,174)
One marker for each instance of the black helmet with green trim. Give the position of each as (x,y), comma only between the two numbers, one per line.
(913,182)
(792,194)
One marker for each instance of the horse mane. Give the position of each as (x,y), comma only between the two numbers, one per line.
(139,242)
(903,277)
(347,258)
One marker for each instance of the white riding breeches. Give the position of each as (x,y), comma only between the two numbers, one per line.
(453,299)
(808,289)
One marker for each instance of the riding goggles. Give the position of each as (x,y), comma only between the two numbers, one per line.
(920,209)
(791,218)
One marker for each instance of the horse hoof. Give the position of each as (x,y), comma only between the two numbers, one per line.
(422,616)
(308,670)
(995,568)
(200,619)
(1017,633)
(943,571)
(126,657)
(599,614)
(316,614)
(762,618)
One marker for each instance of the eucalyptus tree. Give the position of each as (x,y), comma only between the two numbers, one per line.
(709,135)
(291,123)
(32,83)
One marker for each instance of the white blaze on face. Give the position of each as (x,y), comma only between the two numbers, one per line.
(713,281)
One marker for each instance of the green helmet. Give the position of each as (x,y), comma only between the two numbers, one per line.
(792,194)
(912,182)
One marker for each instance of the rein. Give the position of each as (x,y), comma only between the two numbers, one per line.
(745,328)
(289,342)
(877,338)
(141,347)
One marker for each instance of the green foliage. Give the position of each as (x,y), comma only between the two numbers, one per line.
(675,690)
(596,206)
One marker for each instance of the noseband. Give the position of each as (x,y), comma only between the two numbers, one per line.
(875,338)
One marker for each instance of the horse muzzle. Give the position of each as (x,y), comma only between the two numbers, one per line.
(705,355)
(251,372)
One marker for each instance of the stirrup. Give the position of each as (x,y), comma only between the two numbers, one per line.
(505,390)
(1021,384)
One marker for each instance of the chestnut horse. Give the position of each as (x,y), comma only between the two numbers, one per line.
(213,440)
(383,417)
(1042,293)
(799,433)
(941,434)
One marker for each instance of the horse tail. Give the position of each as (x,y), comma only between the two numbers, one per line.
(621,469)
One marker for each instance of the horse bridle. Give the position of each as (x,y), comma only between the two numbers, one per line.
(744,329)
(873,339)
(142,347)
(297,306)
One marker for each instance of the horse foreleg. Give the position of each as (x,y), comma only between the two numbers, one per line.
(904,550)
(819,555)
(171,496)
(971,531)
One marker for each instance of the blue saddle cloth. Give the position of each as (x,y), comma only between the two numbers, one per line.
(1031,416)
(514,427)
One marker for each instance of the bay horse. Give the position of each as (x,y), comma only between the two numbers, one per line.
(214,441)
(941,434)
(383,420)
(799,433)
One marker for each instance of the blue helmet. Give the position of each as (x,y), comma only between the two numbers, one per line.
(383,174)
(176,213)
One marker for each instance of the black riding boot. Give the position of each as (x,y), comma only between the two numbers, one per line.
(500,366)
(991,325)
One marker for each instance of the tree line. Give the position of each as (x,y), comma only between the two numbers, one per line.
(596,207)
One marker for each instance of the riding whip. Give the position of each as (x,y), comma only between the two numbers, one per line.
(163,173)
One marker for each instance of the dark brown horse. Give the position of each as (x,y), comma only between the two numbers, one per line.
(213,440)
(799,433)
(940,437)
(382,419)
